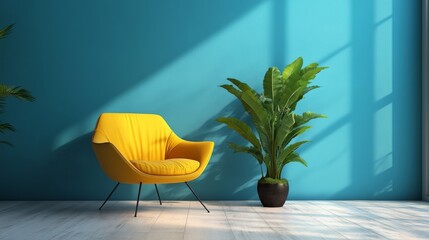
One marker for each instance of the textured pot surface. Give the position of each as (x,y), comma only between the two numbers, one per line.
(273,195)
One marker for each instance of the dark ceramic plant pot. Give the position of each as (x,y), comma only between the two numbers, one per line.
(273,195)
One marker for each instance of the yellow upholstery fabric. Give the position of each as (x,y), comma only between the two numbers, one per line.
(121,138)
(169,167)
(136,136)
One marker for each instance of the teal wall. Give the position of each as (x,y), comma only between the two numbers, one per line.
(82,58)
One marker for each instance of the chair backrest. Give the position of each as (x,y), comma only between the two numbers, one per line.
(136,136)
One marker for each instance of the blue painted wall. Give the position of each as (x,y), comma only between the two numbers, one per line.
(82,58)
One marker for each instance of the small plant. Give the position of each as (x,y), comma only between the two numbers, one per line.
(273,116)
(10,91)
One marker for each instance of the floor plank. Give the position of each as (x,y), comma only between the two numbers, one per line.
(227,220)
(246,224)
(207,226)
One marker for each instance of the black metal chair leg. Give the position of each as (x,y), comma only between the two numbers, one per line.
(138,199)
(196,196)
(109,196)
(156,187)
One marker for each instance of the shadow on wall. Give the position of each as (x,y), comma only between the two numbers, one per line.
(384,160)
(384,115)
(76,65)
(228,175)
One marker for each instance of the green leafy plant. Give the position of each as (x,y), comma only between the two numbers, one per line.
(273,116)
(10,91)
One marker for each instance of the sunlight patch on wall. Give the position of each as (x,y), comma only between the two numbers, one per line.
(383,140)
(383,82)
(382,164)
(383,43)
(382,9)
(387,188)
(180,91)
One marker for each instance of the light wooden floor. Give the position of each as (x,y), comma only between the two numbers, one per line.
(227,220)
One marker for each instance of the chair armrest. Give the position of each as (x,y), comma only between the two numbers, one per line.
(199,151)
(114,164)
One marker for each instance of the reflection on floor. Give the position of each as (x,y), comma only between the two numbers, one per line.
(227,220)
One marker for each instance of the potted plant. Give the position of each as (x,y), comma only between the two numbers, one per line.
(10,91)
(276,123)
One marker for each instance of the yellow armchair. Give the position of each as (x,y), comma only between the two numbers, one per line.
(141,148)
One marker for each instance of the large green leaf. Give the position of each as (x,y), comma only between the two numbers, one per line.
(306,117)
(5,31)
(286,155)
(290,149)
(17,92)
(250,150)
(238,94)
(310,88)
(260,126)
(250,101)
(272,84)
(231,89)
(294,133)
(311,74)
(284,129)
(294,157)
(292,88)
(301,82)
(273,116)
(263,137)
(256,108)
(242,86)
(293,68)
(291,157)
(243,129)
(293,98)
(290,92)
(6,127)
(302,89)
(270,165)
(10,91)
(309,67)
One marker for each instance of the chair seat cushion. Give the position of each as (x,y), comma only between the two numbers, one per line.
(168,167)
